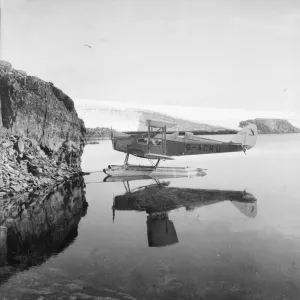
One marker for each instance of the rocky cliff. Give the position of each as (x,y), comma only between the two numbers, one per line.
(269,126)
(41,136)
(35,109)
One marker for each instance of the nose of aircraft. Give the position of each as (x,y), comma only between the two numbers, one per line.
(247,197)
(120,144)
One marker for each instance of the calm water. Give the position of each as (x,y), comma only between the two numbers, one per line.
(217,249)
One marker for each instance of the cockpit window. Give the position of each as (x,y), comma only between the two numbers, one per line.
(143,141)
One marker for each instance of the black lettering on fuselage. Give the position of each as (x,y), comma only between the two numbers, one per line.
(203,147)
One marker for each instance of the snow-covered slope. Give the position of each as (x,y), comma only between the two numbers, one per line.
(131,116)
(132,120)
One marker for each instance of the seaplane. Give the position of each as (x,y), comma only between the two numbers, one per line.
(157,145)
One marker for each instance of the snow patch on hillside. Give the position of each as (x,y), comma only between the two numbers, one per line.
(126,116)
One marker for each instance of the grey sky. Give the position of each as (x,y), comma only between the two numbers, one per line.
(217,53)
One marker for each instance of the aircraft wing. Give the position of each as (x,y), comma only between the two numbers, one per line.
(160,123)
(157,156)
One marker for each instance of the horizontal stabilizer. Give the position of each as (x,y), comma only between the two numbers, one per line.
(157,156)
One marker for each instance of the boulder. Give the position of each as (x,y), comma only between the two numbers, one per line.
(20,145)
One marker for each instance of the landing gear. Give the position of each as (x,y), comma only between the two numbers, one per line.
(156,165)
(132,170)
(126,164)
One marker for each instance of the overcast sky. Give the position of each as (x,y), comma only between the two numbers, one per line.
(213,53)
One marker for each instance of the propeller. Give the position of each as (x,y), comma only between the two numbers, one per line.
(111,133)
(112,138)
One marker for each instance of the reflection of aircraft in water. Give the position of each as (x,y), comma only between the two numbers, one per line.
(158,199)
(157,144)
(157,175)
(160,230)
(45,225)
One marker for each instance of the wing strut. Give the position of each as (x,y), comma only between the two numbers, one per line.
(157,163)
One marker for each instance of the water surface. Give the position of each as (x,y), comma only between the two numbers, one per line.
(122,247)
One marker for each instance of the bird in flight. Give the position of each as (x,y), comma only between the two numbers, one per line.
(87,45)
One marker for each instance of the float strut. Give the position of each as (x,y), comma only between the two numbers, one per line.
(126,159)
(157,163)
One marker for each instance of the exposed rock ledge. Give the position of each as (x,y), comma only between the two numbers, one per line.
(269,126)
(41,136)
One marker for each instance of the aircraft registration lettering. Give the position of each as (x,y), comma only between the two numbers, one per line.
(206,148)
(189,147)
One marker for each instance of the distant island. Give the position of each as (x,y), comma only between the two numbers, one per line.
(93,135)
(271,126)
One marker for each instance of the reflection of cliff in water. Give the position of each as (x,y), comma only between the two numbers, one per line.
(157,199)
(41,225)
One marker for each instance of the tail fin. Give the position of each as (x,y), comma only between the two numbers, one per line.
(247,136)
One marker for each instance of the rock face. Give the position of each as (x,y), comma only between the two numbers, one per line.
(41,136)
(35,109)
(269,126)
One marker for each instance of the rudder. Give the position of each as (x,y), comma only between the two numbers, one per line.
(247,136)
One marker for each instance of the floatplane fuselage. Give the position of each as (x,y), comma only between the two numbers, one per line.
(157,144)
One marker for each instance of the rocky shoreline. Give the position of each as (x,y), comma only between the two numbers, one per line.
(24,167)
(41,137)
